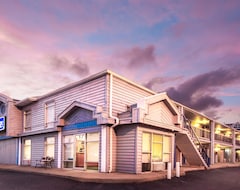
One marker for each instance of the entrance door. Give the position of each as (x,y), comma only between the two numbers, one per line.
(80,151)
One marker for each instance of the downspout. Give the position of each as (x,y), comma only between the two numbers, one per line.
(111,116)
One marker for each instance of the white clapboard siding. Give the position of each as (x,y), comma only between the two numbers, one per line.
(8,151)
(114,150)
(126,94)
(92,92)
(125,149)
(139,150)
(38,147)
(159,112)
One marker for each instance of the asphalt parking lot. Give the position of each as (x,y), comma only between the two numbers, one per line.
(216,179)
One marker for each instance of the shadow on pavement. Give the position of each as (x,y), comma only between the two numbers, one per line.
(216,179)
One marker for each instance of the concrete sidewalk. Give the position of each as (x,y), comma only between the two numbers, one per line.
(96,177)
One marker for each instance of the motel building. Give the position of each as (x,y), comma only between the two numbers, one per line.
(107,123)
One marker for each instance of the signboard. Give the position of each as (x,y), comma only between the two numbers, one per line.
(2,123)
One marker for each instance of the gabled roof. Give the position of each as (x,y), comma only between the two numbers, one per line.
(27,101)
(75,104)
(161,97)
(75,84)
(5,97)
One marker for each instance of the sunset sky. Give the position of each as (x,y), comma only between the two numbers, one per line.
(189,48)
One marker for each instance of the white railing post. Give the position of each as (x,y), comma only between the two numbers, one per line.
(169,170)
(177,169)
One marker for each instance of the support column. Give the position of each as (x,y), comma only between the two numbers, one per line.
(19,150)
(181,117)
(234,146)
(59,154)
(103,149)
(177,169)
(169,170)
(212,151)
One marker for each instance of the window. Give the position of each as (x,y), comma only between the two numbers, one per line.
(166,149)
(92,150)
(49,146)
(68,144)
(92,147)
(68,147)
(2,108)
(146,143)
(27,120)
(50,114)
(157,148)
(146,152)
(27,149)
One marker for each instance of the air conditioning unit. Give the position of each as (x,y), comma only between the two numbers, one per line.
(159,166)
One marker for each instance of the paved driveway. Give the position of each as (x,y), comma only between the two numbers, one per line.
(219,179)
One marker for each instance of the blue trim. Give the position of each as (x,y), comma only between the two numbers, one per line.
(5,137)
(81,125)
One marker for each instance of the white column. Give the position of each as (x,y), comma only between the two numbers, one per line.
(19,151)
(169,170)
(212,151)
(103,148)
(234,146)
(59,155)
(177,169)
(181,116)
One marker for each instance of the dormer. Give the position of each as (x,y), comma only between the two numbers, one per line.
(156,110)
(77,112)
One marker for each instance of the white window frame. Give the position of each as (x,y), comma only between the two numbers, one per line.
(50,120)
(48,145)
(25,145)
(27,124)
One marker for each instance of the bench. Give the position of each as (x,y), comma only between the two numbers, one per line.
(45,162)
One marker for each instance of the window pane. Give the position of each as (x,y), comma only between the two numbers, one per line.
(50,140)
(49,146)
(27,142)
(80,137)
(68,151)
(28,119)
(92,151)
(27,150)
(166,148)
(50,114)
(50,151)
(93,137)
(69,139)
(157,152)
(146,142)
(157,138)
(167,144)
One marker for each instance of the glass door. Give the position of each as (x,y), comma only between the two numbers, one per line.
(80,141)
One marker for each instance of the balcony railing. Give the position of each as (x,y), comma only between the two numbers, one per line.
(202,133)
(223,138)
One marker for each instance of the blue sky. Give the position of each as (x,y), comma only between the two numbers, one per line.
(189,48)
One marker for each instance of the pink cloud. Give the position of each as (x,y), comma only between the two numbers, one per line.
(229,114)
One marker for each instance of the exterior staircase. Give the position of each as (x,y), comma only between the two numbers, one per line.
(189,144)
